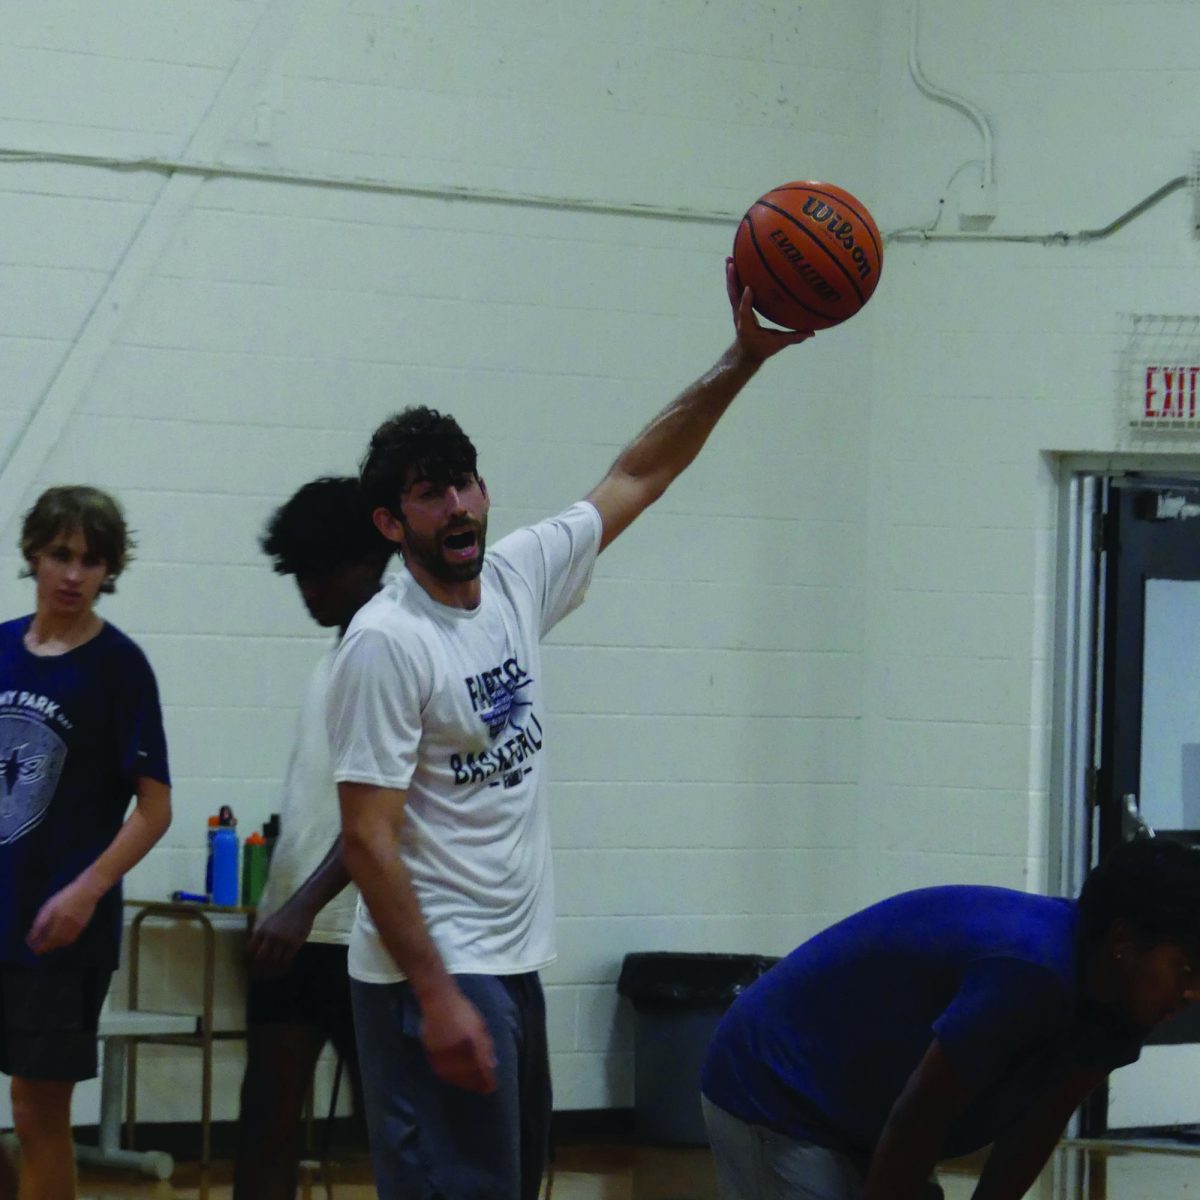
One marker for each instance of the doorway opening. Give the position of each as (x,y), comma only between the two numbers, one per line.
(1127,729)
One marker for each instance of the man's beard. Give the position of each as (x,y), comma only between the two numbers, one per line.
(428,552)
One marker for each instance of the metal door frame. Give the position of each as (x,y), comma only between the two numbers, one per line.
(1078,674)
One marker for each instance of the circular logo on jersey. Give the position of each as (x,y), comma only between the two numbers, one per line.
(31,761)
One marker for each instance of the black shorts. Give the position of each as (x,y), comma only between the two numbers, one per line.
(48,1021)
(313,991)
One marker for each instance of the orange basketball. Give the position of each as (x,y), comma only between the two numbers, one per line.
(810,253)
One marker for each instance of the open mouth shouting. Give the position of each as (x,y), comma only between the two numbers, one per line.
(463,544)
(453,553)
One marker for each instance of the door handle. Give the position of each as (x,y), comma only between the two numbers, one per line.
(1133,824)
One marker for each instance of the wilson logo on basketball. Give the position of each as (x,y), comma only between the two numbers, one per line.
(803,267)
(825,214)
(810,253)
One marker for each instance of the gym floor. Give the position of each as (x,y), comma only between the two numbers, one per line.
(613,1171)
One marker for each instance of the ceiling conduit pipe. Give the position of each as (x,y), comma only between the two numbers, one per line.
(984,204)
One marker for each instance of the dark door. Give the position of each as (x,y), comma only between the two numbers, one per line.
(1148,777)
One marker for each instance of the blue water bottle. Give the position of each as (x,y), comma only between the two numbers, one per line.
(225,866)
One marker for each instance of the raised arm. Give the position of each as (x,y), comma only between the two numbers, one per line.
(453,1033)
(652,461)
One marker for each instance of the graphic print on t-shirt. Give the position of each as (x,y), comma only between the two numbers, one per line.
(495,694)
(497,700)
(31,760)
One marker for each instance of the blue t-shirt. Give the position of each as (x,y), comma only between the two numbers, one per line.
(77,731)
(821,1046)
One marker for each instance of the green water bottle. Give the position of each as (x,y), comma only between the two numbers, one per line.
(254,869)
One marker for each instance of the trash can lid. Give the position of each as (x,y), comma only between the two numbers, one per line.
(674,980)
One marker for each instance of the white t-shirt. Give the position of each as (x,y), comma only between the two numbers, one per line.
(309,820)
(446,704)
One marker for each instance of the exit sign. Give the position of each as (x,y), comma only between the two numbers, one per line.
(1170,392)
(1160,374)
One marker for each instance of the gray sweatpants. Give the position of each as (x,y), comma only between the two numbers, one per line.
(756,1163)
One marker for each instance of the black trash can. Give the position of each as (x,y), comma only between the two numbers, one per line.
(678,999)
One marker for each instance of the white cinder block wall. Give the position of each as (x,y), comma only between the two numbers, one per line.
(816,672)
(993,360)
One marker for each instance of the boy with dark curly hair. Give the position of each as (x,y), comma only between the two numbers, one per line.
(299,992)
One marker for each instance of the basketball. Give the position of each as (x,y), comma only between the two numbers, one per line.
(810,253)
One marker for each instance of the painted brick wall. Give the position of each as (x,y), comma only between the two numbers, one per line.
(993,359)
(203,347)
(818,672)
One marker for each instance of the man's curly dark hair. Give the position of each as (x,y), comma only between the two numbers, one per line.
(418,443)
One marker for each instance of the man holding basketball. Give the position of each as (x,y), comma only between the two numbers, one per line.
(945,1020)
(436,724)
